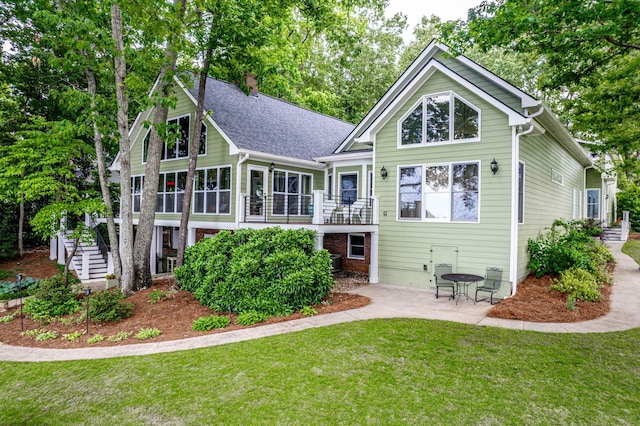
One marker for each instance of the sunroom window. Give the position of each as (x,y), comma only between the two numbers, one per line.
(212,190)
(439,118)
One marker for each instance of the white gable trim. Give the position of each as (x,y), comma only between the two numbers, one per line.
(430,68)
(233,148)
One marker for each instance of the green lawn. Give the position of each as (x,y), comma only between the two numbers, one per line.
(632,248)
(401,371)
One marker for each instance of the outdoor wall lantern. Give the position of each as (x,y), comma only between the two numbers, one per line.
(494,166)
(383,173)
(271,167)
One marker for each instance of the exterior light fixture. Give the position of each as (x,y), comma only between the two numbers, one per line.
(383,173)
(271,167)
(494,166)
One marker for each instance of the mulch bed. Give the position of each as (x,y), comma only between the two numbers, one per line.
(536,301)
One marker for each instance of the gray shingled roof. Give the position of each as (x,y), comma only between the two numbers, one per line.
(269,125)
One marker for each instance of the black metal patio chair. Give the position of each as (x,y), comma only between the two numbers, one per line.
(491,284)
(444,268)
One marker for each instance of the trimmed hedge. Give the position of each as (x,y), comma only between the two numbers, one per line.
(271,271)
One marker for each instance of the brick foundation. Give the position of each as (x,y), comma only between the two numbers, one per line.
(339,244)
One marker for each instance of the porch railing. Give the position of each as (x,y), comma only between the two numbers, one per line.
(317,208)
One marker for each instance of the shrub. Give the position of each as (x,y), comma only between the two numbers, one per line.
(629,199)
(251,317)
(54,298)
(209,323)
(271,270)
(108,306)
(579,284)
(566,245)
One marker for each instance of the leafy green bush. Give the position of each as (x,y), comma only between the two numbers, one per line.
(566,245)
(271,270)
(108,306)
(251,317)
(95,339)
(54,298)
(9,289)
(579,284)
(211,322)
(628,198)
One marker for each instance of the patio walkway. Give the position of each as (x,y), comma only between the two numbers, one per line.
(387,302)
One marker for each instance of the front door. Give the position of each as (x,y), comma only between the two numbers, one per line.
(257,195)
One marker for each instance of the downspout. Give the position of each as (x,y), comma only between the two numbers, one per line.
(241,160)
(515,161)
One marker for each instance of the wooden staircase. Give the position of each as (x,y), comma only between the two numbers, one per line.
(96,261)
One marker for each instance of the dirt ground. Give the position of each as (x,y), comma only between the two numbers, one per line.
(174,314)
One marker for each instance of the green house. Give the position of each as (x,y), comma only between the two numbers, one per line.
(453,165)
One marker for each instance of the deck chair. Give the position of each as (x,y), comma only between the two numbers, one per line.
(328,209)
(355,210)
(491,283)
(444,268)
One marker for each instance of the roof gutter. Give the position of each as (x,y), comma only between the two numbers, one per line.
(281,160)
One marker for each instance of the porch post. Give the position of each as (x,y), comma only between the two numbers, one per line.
(318,207)
(53,248)
(154,251)
(373,261)
(319,241)
(61,250)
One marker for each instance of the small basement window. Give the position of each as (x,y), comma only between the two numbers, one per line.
(356,246)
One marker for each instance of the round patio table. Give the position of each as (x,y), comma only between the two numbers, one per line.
(464,280)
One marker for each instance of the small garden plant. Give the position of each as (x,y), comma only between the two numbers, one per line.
(54,298)
(95,339)
(10,290)
(211,322)
(147,333)
(251,317)
(108,305)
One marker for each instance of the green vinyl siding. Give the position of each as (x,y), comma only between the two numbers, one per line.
(217,154)
(405,246)
(545,200)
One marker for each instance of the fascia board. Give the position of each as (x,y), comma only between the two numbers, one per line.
(233,148)
(280,160)
(526,101)
(393,91)
(515,118)
(346,156)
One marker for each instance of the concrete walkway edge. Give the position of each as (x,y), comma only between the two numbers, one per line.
(387,302)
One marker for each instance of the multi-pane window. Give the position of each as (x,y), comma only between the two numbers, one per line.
(179,148)
(440,118)
(212,191)
(291,193)
(447,192)
(593,203)
(137,183)
(170,192)
(356,246)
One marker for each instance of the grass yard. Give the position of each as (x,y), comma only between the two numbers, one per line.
(400,371)
(632,248)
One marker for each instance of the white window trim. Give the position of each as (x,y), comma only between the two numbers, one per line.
(422,217)
(175,193)
(452,95)
(586,204)
(133,177)
(286,204)
(166,146)
(577,204)
(524,192)
(364,246)
(193,196)
(339,191)
(188,141)
(206,140)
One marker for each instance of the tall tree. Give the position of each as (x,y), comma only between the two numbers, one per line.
(586,50)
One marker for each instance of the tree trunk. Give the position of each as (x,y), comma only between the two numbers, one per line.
(144,231)
(193,160)
(102,175)
(126,216)
(21,229)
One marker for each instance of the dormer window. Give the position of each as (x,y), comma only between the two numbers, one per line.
(439,118)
